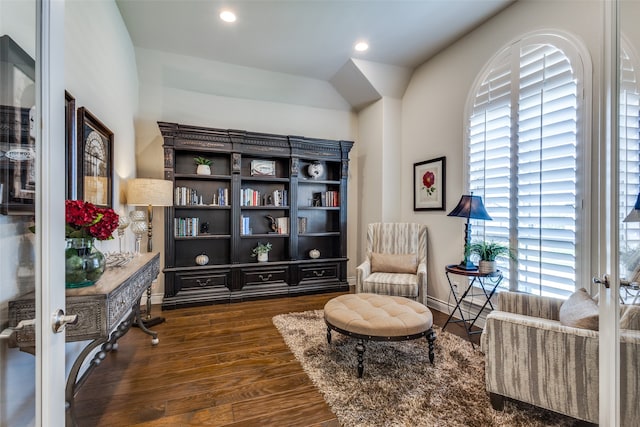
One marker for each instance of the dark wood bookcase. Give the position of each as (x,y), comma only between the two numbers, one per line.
(258,182)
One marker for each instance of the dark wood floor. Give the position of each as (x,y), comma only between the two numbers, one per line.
(219,365)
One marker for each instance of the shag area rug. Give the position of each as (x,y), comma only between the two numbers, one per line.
(399,386)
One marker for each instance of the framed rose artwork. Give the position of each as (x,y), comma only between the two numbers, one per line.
(429,188)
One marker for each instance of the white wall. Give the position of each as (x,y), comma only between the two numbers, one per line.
(434,103)
(100,72)
(167,94)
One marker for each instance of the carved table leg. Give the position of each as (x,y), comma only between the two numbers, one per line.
(431,337)
(141,325)
(329,335)
(360,349)
(73,383)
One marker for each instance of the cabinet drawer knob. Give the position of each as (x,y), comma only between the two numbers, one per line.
(264,279)
(203,283)
(318,273)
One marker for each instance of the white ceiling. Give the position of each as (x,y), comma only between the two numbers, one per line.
(309,38)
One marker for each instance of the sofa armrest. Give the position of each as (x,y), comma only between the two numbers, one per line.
(422,283)
(529,305)
(541,362)
(362,272)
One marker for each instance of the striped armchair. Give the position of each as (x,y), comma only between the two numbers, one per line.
(396,261)
(531,357)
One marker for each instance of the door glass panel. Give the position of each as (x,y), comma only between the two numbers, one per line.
(17,202)
(629,209)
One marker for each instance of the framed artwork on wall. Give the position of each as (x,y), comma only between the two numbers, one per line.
(429,185)
(17,129)
(71,178)
(94,160)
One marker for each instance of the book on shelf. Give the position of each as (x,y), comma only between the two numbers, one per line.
(329,199)
(252,197)
(245,225)
(185,196)
(302,225)
(283,225)
(186,227)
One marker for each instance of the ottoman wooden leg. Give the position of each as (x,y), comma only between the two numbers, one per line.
(431,337)
(329,335)
(360,350)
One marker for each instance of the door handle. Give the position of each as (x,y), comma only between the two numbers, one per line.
(604,281)
(8,332)
(60,321)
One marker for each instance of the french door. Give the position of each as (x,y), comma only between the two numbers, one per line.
(32,103)
(619,354)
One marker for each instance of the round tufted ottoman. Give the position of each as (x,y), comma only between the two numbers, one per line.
(372,317)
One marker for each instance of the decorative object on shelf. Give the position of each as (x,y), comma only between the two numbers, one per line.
(314,253)
(202,259)
(138,227)
(204,228)
(488,252)
(85,222)
(149,192)
(118,259)
(273,224)
(204,165)
(429,190)
(263,168)
(315,170)
(261,252)
(123,223)
(95,160)
(469,207)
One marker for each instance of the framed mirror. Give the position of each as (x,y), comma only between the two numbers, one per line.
(95,160)
(17,129)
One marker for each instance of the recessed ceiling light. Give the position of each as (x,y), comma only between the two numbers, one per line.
(228,16)
(361,46)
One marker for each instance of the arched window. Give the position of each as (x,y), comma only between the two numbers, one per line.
(526,148)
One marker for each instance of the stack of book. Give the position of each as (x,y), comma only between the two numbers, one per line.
(329,199)
(186,227)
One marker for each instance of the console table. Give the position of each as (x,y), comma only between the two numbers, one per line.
(488,283)
(105,313)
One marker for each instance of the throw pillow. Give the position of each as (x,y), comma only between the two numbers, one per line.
(393,263)
(630,317)
(580,311)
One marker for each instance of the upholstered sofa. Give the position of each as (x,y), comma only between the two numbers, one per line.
(531,357)
(396,262)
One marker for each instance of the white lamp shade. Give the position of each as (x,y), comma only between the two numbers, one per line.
(147,191)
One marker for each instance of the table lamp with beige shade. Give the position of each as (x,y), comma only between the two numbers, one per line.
(150,192)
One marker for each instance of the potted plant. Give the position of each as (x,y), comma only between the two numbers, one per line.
(262,251)
(204,165)
(488,252)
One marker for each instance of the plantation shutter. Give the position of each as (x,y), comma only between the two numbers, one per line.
(547,163)
(490,153)
(523,151)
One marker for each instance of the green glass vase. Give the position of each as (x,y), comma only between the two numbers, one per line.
(84,263)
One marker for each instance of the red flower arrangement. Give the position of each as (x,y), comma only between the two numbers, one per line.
(85,220)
